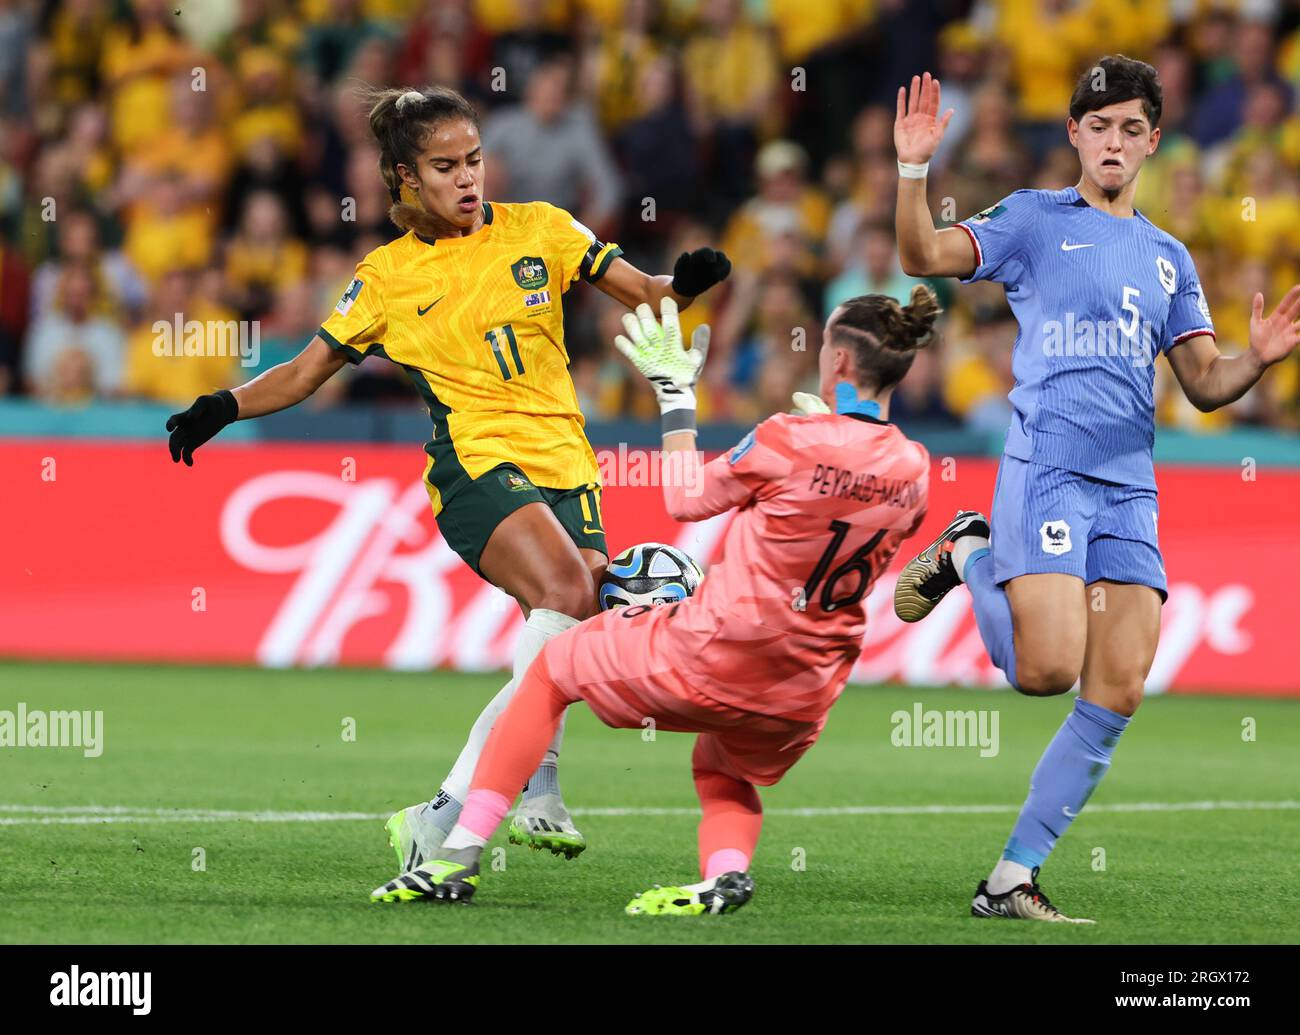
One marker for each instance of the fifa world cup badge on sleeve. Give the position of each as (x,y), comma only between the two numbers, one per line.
(741,448)
(987,214)
(349,296)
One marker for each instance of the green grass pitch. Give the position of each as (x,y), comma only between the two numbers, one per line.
(208,740)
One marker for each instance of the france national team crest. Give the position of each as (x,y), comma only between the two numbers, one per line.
(1056,537)
(1168,275)
(349,296)
(530,273)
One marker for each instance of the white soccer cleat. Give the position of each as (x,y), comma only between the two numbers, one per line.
(413,836)
(544,823)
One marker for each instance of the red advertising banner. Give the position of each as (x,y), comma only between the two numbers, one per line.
(302,555)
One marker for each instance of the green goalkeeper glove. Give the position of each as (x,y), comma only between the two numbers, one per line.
(655,348)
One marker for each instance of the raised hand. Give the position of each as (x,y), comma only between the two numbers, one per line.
(695,272)
(657,352)
(918,128)
(1275,337)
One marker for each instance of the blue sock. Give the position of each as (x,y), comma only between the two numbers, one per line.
(992,612)
(1066,775)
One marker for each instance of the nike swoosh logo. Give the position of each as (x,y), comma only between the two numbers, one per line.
(1067,247)
(425,309)
(592,531)
(1066,810)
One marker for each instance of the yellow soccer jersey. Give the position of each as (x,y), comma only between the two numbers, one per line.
(477,324)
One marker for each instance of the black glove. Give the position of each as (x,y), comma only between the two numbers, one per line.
(695,272)
(206,416)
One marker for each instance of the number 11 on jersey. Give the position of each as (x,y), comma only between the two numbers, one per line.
(494,338)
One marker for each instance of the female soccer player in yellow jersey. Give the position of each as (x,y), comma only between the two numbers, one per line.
(468,302)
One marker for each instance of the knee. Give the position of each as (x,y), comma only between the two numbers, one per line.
(1123,696)
(1045,679)
(571,594)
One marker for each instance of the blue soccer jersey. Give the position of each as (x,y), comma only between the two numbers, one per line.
(1097,298)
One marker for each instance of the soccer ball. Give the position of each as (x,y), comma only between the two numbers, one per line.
(651,573)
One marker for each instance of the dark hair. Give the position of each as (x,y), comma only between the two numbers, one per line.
(884,335)
(1114,79)
(401,120)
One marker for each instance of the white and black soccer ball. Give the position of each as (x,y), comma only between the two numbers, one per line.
(651,573)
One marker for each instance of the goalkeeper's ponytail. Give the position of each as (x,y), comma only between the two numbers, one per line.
(884,335)
(401,121)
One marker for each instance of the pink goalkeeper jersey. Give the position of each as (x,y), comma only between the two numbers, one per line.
(824,503)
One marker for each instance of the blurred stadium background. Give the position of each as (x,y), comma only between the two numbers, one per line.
(208,158)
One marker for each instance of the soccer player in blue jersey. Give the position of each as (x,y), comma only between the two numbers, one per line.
(1070,582)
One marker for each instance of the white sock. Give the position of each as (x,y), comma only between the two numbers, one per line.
(457,782)
(540,627)
(1007,875)
(462,838)
(963,548)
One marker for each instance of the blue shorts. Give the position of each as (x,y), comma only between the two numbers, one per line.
(1046,519)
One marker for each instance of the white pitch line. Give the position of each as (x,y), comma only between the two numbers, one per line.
(80,815)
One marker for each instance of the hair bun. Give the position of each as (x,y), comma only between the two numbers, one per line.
(920,313)
(410,97)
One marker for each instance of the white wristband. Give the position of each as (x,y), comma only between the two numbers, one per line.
(912,171)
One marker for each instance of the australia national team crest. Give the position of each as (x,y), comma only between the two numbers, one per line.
(1056,537)
(515,482)
(530,273)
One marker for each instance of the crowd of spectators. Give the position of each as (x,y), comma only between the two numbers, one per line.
(211,158)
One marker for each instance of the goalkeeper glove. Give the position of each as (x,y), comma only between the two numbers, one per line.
(695,272)
(807,404)
(207,415)
(656,351)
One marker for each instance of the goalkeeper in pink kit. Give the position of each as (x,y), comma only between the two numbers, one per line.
(754,661)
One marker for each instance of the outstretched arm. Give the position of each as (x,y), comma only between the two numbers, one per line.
(924,251)
(289,383)
(277,389)
(1211,379)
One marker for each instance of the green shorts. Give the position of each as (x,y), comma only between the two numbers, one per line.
(468,519)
